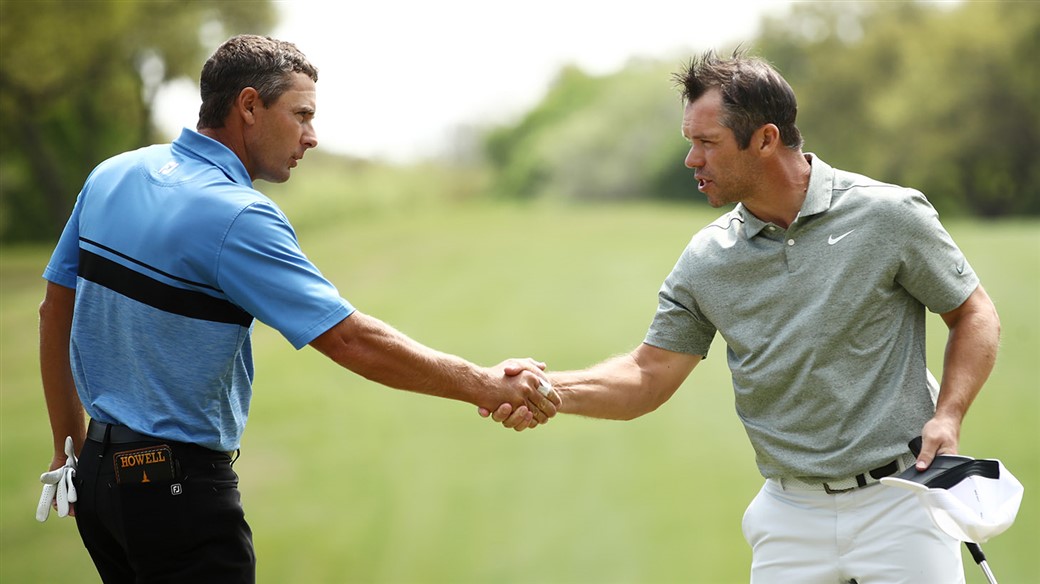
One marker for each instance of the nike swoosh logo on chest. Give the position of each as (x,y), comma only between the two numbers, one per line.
(831,240)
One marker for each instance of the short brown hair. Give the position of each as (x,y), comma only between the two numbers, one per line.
(262,63)
(753,94)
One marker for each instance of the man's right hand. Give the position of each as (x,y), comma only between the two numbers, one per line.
(59,491)
(528,391)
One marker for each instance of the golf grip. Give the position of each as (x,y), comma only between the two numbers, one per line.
(915,446)
(976,552)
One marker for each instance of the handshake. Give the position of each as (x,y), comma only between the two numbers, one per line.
(530,399)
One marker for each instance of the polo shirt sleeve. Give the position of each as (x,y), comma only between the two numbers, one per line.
(678,324)
(63,267)
(931,266)
(262,269)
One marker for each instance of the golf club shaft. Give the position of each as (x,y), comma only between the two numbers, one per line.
(980,559)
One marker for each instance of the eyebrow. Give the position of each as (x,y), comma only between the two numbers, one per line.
(701,136)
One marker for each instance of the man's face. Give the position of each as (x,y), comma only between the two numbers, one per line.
(283,132)
(724,172)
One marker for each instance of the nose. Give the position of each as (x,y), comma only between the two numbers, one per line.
(694,159)
(310,137)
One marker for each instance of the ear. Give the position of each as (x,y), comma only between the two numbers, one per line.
(767,139)
(248,100)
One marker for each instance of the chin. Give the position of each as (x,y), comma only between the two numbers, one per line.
(277,178)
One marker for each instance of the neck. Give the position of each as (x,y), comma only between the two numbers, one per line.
(232,139)
(784,191)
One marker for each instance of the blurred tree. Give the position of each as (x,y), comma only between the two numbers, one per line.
(942,98)
(939,98)
(77,84)
(593,138)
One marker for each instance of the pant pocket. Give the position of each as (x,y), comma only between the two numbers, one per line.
(748,523)
(154,521)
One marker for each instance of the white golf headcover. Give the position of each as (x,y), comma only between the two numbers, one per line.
(57,485)
(974,509)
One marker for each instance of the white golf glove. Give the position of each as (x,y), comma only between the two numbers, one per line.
(57,484)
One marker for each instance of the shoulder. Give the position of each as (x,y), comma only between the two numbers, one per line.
(710,244)
(883,199)
(124,162)
(721,230)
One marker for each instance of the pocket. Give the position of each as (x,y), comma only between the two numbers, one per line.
(155,519)
(134,466)
(216,496)
(748,522)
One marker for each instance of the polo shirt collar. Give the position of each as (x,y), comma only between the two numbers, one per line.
(215,153)
(821,187)
(817,197)
(752,225)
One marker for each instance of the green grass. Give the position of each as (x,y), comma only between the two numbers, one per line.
(346,481)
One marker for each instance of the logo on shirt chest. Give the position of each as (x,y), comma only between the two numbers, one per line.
(831,240)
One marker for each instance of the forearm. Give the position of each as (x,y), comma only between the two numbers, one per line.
(625,387)
(971,352)
(382,354)
(63,405)
(378,352)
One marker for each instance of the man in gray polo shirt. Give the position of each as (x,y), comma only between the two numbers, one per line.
(818,280)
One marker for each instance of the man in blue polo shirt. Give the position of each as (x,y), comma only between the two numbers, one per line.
(169,256)
(818,280)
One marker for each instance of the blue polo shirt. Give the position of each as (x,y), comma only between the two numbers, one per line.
(173,254)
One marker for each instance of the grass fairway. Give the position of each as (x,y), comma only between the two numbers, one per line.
(346,481)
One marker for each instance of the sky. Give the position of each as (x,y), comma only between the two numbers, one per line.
(397,79)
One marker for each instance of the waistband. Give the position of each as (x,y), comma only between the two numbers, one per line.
(117,434)
(851,483)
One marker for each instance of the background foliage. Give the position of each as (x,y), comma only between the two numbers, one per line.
(943,99)
(77,82)
(346,481)
(946,100)
(940,97)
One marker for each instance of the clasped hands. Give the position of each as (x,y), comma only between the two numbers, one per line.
(534,400)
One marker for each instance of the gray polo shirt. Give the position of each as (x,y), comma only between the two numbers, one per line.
(824,322)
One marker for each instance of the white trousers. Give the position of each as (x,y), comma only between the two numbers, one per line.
(873,535)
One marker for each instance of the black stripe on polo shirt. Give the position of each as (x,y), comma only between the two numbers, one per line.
(146,266)
(156,294)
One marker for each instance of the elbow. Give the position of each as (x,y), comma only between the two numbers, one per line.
(637,413)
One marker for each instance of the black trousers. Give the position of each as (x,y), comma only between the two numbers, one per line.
(188,528)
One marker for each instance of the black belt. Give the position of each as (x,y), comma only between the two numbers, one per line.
(115,434)
(878,473)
